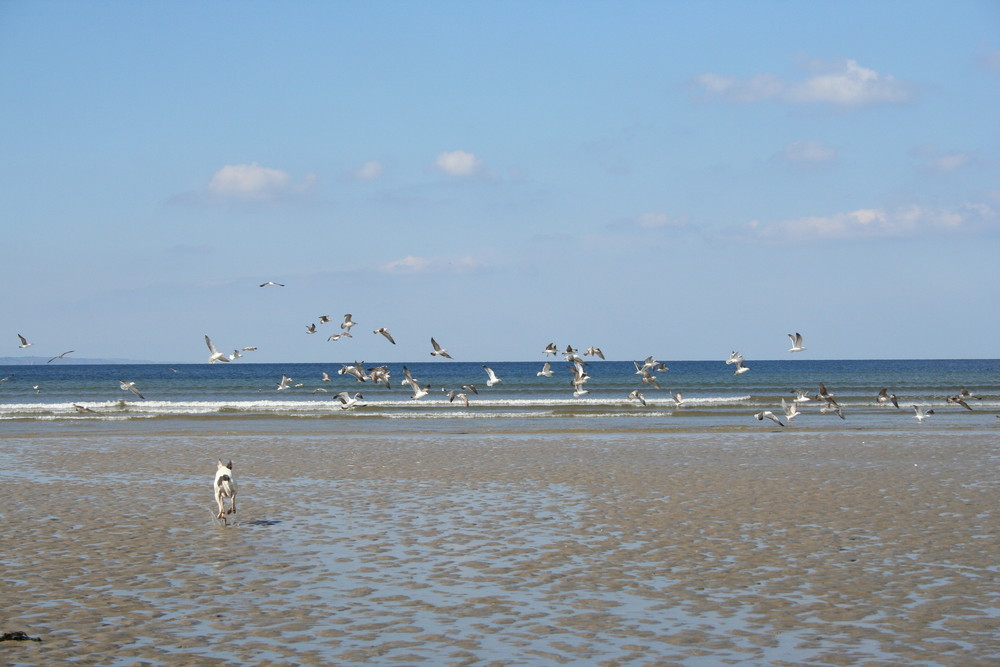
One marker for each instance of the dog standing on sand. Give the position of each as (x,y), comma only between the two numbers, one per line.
(225,487)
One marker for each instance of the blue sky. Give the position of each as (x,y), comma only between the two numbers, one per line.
(675,179)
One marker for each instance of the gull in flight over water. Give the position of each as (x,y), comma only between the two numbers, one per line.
(310,328)
(734,358)
(551,349)
(419,392)
(59,356)
(802,396)
(791,410)
(493,379)
(833,407)
(438,350)
(885,397)
(347,401)
(593,351)
(462,396)
(635,394)
(546,370)
(958,399)
(740,368)
(357,371)
(130,386)
(216,355)
(921,413)
(796,339)
(285,383)
(336,337)
(385,332)
(24,342)
(760,416)
(347,323)
(271,283)
(323,319)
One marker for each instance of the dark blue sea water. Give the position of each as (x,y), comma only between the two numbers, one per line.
(711,394)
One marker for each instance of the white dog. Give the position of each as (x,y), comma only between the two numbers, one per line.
(225,487)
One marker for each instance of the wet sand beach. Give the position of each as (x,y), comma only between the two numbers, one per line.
(768,548)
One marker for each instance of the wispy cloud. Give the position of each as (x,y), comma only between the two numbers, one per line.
(933,159)
(991,60)
(458,163)
(651,220)
(843,84)
(808,154)
(369,171)
(875,223)
(421,265)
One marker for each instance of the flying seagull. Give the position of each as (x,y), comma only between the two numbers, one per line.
(885,397)
(347,401)
(270,283)
(439,351)
(130,386)
(493,376)
(546,370)
(594,351)
(796,339)
(921,413)
(59,356)
(385,332)
(958,400)
(768,414)
(216,355)
(24,342)
(551,349)
(791,409)
(347,323)
(637,395)
(462,396)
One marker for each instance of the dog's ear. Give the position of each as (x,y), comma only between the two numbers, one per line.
(220,463)
(230,466)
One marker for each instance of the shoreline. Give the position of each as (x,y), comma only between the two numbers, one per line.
(492,549)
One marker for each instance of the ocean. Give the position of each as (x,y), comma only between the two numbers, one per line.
(712,395)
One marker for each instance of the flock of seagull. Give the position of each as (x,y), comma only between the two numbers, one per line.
(646,370)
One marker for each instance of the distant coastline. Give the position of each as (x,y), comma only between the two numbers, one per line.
(41,361)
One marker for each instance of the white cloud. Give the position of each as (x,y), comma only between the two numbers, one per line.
(252,182)
(843,84)
(933,159)
(458,163)
(415,265)
(807,153)
(370,171)
(875,223)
